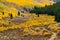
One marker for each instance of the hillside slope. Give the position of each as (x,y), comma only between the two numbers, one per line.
(31,2)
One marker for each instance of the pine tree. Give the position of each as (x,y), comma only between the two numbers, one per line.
(18,13)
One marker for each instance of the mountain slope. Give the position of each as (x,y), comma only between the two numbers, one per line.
(57,0)
(32,2)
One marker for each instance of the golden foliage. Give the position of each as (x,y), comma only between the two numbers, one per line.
(27,26)
(31,3)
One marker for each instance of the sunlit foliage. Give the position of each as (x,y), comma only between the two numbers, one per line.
(32,3)
(42,25)
(34,25)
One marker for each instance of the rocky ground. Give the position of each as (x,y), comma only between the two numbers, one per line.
(18,35)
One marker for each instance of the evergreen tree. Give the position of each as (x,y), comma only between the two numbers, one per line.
(50,10)
(18,13)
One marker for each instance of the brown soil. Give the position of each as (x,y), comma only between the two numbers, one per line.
(17,34)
